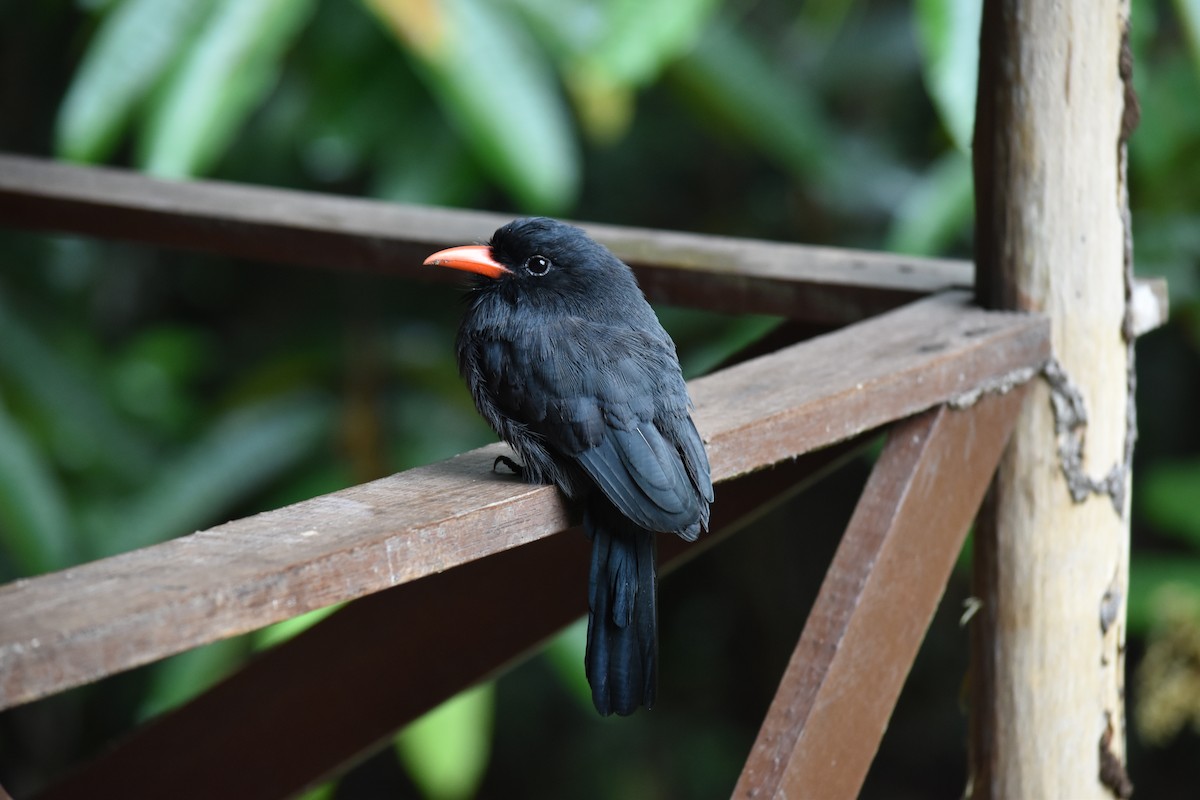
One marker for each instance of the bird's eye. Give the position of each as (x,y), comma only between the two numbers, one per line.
(537,265)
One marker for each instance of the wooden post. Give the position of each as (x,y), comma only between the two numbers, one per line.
(1052,547)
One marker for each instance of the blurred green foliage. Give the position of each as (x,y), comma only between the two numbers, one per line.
(146,394)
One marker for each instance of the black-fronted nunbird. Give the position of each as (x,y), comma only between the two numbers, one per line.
(569,364)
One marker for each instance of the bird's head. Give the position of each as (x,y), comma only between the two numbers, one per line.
(537,256)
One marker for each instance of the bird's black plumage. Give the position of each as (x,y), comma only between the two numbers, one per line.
(569,364)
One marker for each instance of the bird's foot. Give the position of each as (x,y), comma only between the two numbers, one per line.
(516,468)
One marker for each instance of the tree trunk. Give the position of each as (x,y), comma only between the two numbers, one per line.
(1052,545)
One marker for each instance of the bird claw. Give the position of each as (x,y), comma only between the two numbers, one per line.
(516,468)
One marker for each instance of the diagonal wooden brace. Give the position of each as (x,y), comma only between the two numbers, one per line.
(837,694)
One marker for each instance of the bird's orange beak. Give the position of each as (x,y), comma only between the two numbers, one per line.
(470,258)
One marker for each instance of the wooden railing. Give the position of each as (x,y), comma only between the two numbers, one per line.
(416,550)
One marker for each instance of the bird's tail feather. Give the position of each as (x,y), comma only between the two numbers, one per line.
(622,640)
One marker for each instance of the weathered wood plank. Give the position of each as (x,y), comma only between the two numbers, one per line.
(857,378)
(876,601)
(816,284)
(315,703)
(78,625)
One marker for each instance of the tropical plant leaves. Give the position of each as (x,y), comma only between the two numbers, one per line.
(735,83)
(446,751)
(1189,17)
(35,526)
(233,62)
(1170,493)
(188,73)
(132,49)
(937,209)
(496,86)
(948,32)
(238,455)
(608,50)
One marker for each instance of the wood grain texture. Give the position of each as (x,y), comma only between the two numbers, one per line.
(78,625)
(319,701)
(817,284)
(876,601)
(1053,236)
(861,377)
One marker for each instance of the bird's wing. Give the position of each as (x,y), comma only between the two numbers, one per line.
(617,404)
(610,399)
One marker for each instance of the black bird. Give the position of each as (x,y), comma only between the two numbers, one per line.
(568,363)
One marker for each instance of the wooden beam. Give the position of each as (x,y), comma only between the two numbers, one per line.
(81,624)
(816,284)
(1053,235)
(319,701)
(876,601)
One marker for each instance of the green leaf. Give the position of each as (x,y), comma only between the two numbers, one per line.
(178,679)
(1155,581)
(280,632)
(565,655)
(1189,17)
(239,455)
(728,75)
(230,67)
(824,18)
(1167,245)
(446,751)
(84,429)
(1162,150)
(130,52)
(707,339)
(610,49)
(948,32)
(326,791)
(937,210)
(443,176)
(642,37)
(1169,493)
(629,41)
(35,526)
(497,89)
(150,380)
